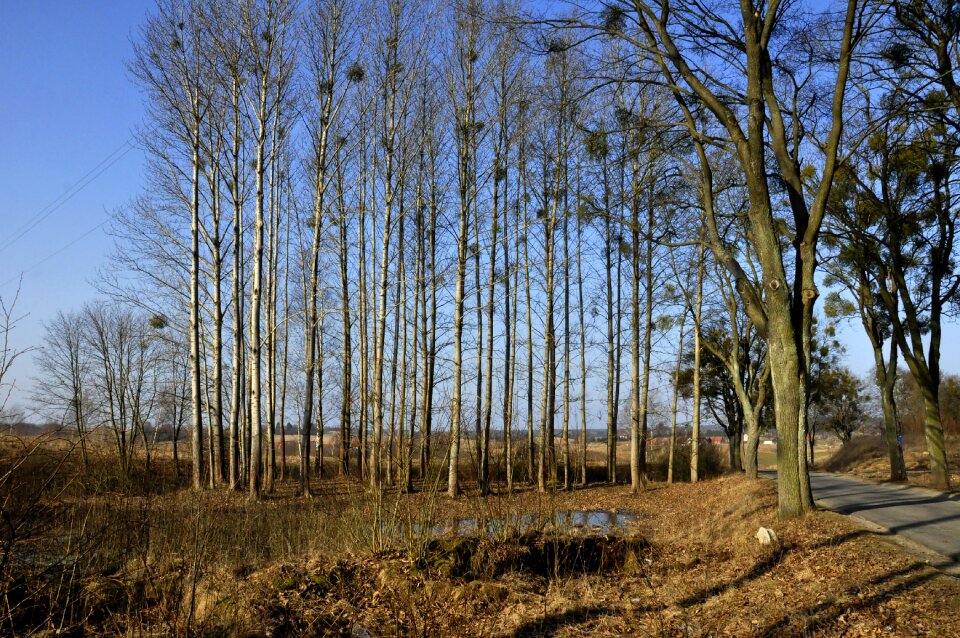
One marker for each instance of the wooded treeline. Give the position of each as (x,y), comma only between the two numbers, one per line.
(422,222)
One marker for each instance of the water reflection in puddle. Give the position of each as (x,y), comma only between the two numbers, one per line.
(583,522)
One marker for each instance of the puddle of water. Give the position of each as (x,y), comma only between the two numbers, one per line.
(597,522)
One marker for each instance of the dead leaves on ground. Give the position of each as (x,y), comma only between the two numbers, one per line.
(704,575)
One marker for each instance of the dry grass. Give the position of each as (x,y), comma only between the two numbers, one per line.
(348,561)
(863,450)
(828,577)
(704,575)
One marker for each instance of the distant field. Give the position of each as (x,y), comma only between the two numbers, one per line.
(767,454)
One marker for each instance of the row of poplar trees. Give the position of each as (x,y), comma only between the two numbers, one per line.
(431,223)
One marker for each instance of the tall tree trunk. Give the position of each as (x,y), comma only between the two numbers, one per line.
(380,326)
(676,399)
(548,464)
(255,337)
(380,329)
(196,422)
(273,228)
(466,181)
(318,470)
(478,392)
(218,471)
(236,394)
(567,471)
(885,371)
(402,416)
(419,292)
(886,381)
(908,333)
(637,402)
(510,331)
(266,33)
(453,484)
(583,356)
(310,336)
(312,318)
(618,373)
(529,327)
(611,351)
(430,351)
(401,350)
(397,420)
(346,301)
(695,417)
(208,402)
(286,343)
(488,400)
(363,412)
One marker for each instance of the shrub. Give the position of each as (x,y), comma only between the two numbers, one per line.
(712,460)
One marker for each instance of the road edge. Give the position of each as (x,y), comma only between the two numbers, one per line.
(933,558)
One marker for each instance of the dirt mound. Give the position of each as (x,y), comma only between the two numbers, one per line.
(454,583)
(855,453)
(535,553)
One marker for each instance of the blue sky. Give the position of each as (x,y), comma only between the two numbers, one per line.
(68,105)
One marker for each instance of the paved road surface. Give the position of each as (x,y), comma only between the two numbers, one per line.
(926,517)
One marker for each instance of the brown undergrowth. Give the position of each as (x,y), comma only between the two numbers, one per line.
(827,576)
(348,562)
(698,571)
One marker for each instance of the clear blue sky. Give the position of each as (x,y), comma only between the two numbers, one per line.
(68,104)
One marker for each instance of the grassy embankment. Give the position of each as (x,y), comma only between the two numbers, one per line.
(867,457)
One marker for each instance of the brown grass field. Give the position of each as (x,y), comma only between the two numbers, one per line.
(93,553)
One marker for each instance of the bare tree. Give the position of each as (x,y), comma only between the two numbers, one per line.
(171,65)
(783,309)
(332,23)
(62,388)
(8,352)
(265,31)
(124,360)
(463,89)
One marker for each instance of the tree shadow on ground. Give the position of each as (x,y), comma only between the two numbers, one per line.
(759,569)
(924,523)
(850,508)
(551,624)
(768,563)
(897,530)
(826,613)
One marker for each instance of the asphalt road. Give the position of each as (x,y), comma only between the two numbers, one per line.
(926,517)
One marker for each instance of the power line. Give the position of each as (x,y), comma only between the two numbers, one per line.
(55,253)
(115,156)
